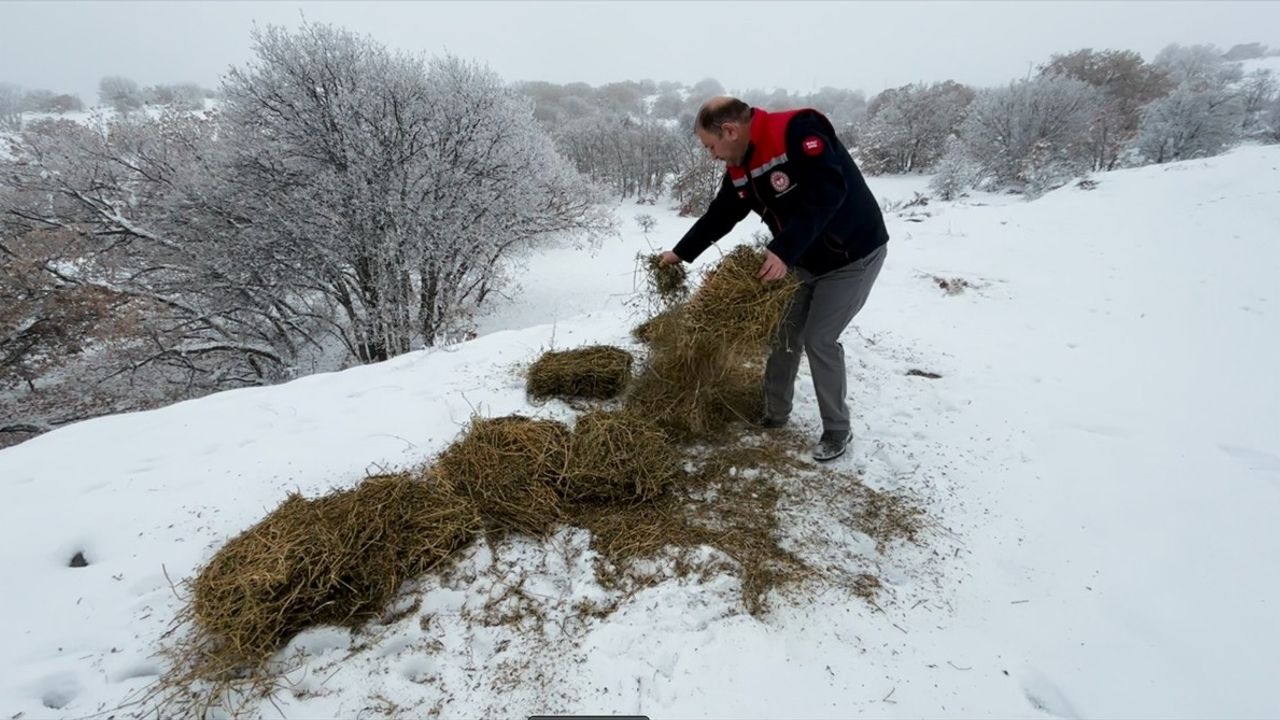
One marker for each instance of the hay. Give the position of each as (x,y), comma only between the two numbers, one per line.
(866,586)
(742,390)
(703,373)
(653,327)
(617,457)
(887,517)
(733,309)
(669,282)
(717,507)
(507,467)
(696,396)
(621,475)
(596,372)
(332,560)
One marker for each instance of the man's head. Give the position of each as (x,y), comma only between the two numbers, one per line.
(724,128)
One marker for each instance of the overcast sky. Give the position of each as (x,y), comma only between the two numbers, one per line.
(67,46)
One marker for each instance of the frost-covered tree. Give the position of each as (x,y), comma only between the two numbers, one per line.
(698,174)
(554,105)
(120,93)
(668,105)
(1198,67)
(1257,91)
(10,106)
(65,103)
(630,157)
(771,99)
(1190,123)
(183,96)
(61,335)
(843,107)
(129,290)
(704,89)
(1127,83)
(699,93)
(624,98)
(349,193)
(46,101)
(953,173)
(1270,122)
(398,193)
(1038,126)
(590,144)
(37,100)
(41,319)
(907,128)
(1208,111)
(1203,116)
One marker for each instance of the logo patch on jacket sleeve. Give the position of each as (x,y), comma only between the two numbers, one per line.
(779,181)
(812,146)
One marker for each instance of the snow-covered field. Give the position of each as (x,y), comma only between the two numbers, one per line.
(1101,457)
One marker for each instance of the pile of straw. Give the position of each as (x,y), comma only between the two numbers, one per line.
(618,457)
(334,560)
(595,372)
(621,474)
(507,468)
(704,370)
(733,310)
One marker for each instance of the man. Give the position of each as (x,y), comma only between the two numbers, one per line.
(792,170)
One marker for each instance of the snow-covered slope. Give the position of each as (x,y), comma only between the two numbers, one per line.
(1101,457)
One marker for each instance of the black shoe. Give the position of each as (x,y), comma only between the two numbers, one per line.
(772,423)
(832,445)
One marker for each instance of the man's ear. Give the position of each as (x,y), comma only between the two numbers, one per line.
(730,131)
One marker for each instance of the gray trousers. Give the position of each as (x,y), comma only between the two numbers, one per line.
(822,309)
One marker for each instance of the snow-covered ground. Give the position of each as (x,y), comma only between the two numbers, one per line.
(1101,457)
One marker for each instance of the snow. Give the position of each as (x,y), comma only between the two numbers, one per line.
(1271,63)
(1100,460)
(100,115)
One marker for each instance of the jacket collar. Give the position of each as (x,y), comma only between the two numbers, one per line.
(759,118)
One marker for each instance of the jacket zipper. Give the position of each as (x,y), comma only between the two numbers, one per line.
(751,183)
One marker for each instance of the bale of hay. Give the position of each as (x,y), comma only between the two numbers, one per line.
(617,457)
(733,308)
(507,468)
(669,282)
(597,372)
(331,560)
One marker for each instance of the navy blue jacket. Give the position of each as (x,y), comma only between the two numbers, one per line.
(803,183)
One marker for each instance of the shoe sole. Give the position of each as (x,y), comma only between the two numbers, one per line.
(832,457)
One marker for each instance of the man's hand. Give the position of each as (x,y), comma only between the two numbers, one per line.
(669,258)
(773,268)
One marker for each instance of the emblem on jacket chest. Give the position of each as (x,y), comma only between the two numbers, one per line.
(779,181)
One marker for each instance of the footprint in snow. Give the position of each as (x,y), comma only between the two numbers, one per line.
(1257,460)
(58,691)
(1045,696)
